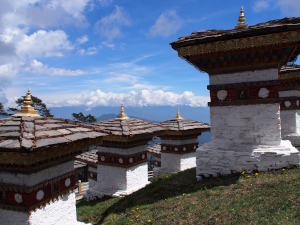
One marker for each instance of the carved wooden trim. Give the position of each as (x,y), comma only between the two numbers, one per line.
(240,43)
(118,160)
(64,184)
(37,160)
(290,103)
(179,149)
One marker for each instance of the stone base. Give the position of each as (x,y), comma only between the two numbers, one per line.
(222,159)
(293,138)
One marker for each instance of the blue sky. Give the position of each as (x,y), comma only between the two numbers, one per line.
(105,52)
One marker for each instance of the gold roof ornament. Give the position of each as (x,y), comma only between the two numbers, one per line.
(178,117)
(27,110)
(241,23)
(122,115)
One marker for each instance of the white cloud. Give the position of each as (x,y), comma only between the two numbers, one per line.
(83,39)
(110,26)
(289,7)
(37,67)
(142,86)
(261,5)
(125,78)
(44,13)
(109,45)
(44,43)
(168,23)
(140,98)
(90,51)
(7,73)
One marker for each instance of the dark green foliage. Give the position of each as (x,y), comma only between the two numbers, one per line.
(36,103)
(84,119)
(2,112)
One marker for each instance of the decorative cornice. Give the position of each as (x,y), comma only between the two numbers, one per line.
(245,102)
(290,103)
(244,84)
(179,149)
(290,75)
(37,160)
(124,161)
(183,134)
(51,191)
(241,43)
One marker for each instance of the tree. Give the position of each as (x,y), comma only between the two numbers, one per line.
(2,112)
(36,103)
(84,119)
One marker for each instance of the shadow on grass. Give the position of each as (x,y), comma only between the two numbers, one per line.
(164,187)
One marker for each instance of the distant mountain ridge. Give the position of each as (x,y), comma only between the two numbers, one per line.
(150,113)
(111,116)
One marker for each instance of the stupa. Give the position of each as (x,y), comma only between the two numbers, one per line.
(37,167)
(122,158)
(179,144)
(243,66)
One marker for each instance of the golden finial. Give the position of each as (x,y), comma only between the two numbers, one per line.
(178,117)
(241,20)
(28,98)
(122,115)
(27,110)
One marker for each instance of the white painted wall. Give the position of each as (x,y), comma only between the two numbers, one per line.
(118,181)
(246,76)
(60,212)
(188,161)
(137,176)
(289,93)
(288,121)
(179,142)
(92,182)
(113,179)
(38,177)
(246,124)
(122,151)
(171,163)
(9,217)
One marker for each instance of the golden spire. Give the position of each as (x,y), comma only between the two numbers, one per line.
(178,117)
(27,110)
(122,115)
(241,20)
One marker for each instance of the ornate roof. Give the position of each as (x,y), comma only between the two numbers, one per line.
(154,150)
(273,26)
(290,68)
(127,127)
(31,134)
(184,125)
(90,158)
(79,164)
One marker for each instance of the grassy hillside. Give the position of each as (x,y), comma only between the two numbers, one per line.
(257,198)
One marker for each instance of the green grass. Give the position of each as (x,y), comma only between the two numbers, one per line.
(258,198)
